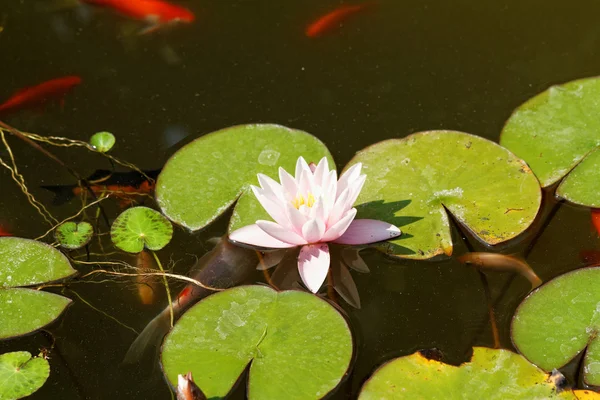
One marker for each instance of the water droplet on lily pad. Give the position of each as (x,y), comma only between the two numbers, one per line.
(103,141)
(74,235)
(140,227)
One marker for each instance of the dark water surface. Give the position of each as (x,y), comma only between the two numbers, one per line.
(403,67)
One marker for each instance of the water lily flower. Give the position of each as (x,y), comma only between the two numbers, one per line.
(310,210)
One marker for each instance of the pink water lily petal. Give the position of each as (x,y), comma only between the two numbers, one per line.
(363,231)
(305,182)
(357,186)
(338,229)
(313,230)
(290,187)
(330,186)
(280,233)
(253,235)
(339,208)
(321,171)
(296,218)
(270,186)
(348,177)
(313,264)
(301,165)
(273,208)
(318,209)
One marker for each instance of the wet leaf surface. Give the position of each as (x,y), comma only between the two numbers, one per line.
(491,374)
(23,311)
(205,177)
(298,345)
(140,227)
(74,235)
(556,132)
(559,320)
(413,183)
(21,374)
(25,262)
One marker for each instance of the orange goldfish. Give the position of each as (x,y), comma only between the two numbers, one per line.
(38,95)
(333,19)
(156,12)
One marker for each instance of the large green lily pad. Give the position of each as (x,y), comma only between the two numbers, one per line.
(139,227)
(21,374)
(298,345)
(582,185)
(413,182)
(554,131)
(205,177)
(25,262)
(560,319)
(491,374)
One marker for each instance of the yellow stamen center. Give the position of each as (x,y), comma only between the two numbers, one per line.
(300,200)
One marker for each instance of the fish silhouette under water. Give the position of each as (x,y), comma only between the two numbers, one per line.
(123,185)
(226,265)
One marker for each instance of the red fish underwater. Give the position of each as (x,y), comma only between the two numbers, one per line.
(334,19)
(592,257)
(4,232)
(38,95)
(596,219)
(156,12)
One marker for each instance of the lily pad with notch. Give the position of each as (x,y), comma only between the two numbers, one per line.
(491,374)
(21,374)
(557,133)
(559,320)
(205,177)
(74,235)
(298,346)
(139,227)
(416,181)
(25,262)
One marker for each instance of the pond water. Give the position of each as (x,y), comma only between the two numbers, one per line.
(401,67)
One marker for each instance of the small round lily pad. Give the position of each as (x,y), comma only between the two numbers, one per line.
(556,132)
(74,235)
(491,374)
(21,374)
(103,141)
(205,177)
(140,227)
(416,181)
(298,346)
(559,320)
